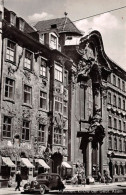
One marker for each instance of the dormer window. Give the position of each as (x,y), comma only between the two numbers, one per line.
(41,38)
(53,41)
(13,19)
(21,24)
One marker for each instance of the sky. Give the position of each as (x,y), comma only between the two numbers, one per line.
(111,25)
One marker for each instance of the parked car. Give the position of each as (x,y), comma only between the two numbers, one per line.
(45,182)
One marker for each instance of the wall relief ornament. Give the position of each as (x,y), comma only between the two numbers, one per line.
(42,119)
(26,113)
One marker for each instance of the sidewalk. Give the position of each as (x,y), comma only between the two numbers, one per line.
(72,189)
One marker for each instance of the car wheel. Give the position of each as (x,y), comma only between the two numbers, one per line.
(42,189)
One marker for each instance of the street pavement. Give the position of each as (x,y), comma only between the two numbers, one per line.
(98,188)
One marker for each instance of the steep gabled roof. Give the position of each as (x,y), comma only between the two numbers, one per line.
(63,25)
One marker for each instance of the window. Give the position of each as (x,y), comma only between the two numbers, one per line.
(58,73)
(109,78)
(65,108)
(125,146)
(53,41)
(9,88)
(57,135)
(65,78)
(119,102)
(41,38)
(110,142)
(26,130)
(120,145)
(28,60)
(109,121)
(11,49)
(114,100)
(115,123)
(119,83)
(115,143)
(43,68)
(41,133)
(64,138)
(124,126)
(123,85)
(7,126)
(21,24)
(120,125)
(13,19)
(109,98)
(123,104)
(43,100)
(27,94)
(114,80)
(58,104)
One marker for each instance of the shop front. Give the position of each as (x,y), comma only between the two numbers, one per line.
(66,170)
(26,168)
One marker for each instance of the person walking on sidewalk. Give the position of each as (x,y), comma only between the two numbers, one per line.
(18,179)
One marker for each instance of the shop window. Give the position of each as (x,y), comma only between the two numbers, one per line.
(109,98)
(28,60)
(41,133)
(57,135)
(26,131)
(58,104)
(114,100)
(43,68)
(65,108)
(9,88)
(11,51)
(7,123)
(27,94)
(58,73)
(119,102)
(110,142)
(43,100)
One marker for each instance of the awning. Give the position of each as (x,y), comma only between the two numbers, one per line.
(8,162)
(65,164)
(27,163)
(42,163)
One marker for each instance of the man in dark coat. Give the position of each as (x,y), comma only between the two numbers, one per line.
(18,179)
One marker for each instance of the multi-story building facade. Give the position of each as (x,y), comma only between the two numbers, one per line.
(61,102)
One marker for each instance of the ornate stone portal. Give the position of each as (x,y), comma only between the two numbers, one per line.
(93,66)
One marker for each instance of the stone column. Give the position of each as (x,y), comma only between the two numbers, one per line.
(89,178)
(101,158)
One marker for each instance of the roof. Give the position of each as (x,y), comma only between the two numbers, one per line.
(63,25)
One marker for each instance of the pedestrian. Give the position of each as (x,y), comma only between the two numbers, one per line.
(18,179)
(106,177)
(99,176)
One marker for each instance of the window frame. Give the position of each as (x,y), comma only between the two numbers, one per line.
(109,98)
(58,69)
(57,136)
(65,106)
(114,100)
(42,98)
(42,132)
(115,123)
(25,127)
(110,142)
(43,66)
(24,91)
(11,50)
(119,102)
(8,87)
(21,24)
(65,73)
(109,121)
(26,59)
(58,104)
(12,18)
(53,44)
(41,40)
(4,124)
(114,79)
(115,143)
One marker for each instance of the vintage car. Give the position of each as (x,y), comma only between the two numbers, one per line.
(44,182)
